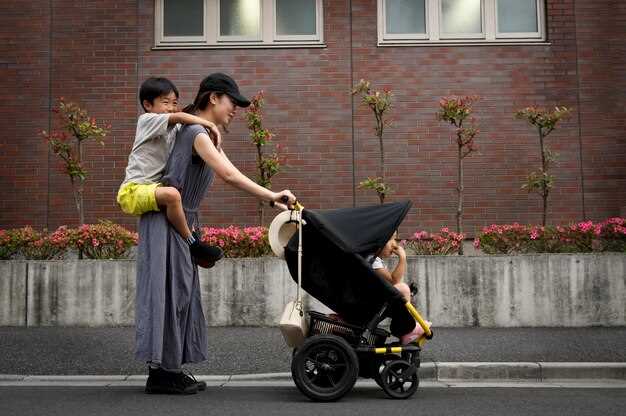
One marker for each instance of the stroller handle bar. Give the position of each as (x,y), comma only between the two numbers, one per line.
(283,205)
(420,321)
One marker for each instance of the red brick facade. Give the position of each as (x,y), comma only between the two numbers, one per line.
(97,52)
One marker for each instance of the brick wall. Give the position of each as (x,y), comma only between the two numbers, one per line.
(97,53)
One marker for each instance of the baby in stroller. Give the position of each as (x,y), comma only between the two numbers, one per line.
(396,278)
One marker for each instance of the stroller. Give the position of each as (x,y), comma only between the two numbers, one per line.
(334,270)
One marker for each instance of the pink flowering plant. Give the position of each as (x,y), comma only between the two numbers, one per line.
(544,121)
(105,240)
(268,164)
(9,244)
(457,111)
(68,144)
(30,244)
(442,243)
(582,237)
(379,102)
(238,242)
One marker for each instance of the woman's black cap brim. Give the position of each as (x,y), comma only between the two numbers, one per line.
(240,100)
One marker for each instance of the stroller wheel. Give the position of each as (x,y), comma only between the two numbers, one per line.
(399,379)
(325,367)
(379,364)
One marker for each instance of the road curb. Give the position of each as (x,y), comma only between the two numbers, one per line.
(444,373)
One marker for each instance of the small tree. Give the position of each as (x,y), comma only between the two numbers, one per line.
(545,122)
(456,111)
(268,165)
(380,104)
(67,143)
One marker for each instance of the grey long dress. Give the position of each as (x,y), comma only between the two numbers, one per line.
(171,328)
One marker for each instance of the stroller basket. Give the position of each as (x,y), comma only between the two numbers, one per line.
(322,324)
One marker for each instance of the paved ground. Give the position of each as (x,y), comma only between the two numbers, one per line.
(261,350)
(288,401)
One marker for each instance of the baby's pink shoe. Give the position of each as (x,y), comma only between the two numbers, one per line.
(414,335)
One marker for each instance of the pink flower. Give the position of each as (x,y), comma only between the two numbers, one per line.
(585,226)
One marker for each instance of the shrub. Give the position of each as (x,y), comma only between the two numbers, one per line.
(238,242)
(446,242)
(105,240)
(582,237)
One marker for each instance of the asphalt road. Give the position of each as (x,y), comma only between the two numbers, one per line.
(257,401)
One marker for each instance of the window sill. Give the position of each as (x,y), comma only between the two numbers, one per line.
(290,45)
(464,43)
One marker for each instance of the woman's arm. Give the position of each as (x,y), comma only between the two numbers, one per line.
(218,161)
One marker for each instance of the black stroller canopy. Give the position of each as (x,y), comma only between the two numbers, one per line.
(362,230)
(334,271)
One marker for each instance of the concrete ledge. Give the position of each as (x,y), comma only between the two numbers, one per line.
(601,371)
(12,293)
(540,290)
(488,371)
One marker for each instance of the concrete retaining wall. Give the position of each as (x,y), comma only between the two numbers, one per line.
(491,291)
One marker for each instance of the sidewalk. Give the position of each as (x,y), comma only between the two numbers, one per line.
(235,353)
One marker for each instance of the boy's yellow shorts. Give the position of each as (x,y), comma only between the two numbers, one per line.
(136,199)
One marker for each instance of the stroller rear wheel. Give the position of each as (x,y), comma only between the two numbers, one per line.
(325,367)
(399,379)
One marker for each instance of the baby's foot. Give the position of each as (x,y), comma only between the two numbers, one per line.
(414,335)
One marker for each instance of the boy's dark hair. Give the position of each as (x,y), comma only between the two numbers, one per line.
(154,88)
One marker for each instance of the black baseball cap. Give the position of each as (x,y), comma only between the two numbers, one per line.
(219,82)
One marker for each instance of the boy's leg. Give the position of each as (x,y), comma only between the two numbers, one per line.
(169,197)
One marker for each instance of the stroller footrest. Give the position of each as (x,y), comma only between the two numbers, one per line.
(389,349)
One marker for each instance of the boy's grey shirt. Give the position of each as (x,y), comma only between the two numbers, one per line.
(153,143)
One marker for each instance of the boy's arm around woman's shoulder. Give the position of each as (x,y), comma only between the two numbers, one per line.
(186,118)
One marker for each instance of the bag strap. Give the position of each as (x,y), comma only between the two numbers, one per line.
(299,294)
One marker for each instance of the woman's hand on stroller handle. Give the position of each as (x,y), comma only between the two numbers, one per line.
(287,200)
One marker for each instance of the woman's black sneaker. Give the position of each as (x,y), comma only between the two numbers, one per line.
(191,379)
(168,382)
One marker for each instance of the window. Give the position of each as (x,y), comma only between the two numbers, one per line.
(460,21)
(238,23)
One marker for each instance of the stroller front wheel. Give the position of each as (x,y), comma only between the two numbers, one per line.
(325,367)
(399,379)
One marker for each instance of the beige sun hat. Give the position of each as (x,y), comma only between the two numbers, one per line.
(283,226)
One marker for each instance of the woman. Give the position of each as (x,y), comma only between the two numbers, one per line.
(170,324)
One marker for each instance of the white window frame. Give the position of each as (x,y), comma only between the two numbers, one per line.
(160,28)
(319,9)
(212,39)
(478,35)
(517,35)
(234,38)
(433,36)
(382,28)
